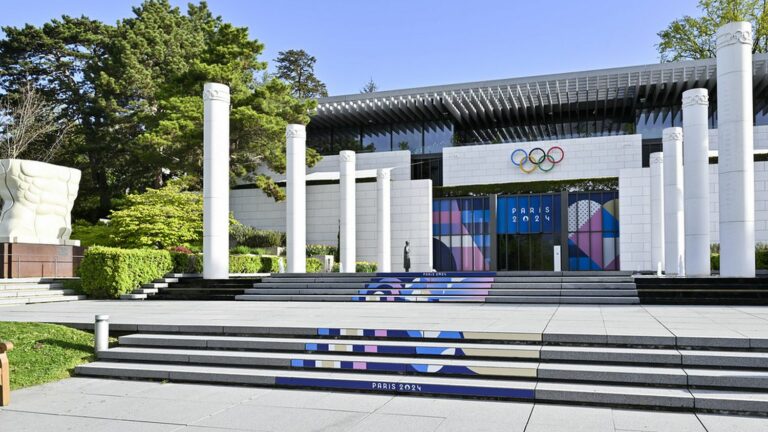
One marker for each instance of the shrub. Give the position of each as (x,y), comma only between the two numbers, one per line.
(159,218)
(761,256)
(245,250)
(109,272)
(187,262)
(360,267)
(314,265)
(245,264)
(244,235)
(98,234)
(270,264)
(319,249)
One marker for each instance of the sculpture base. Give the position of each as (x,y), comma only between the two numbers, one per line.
(31,260)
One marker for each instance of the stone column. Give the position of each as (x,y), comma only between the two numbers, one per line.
(383,220)
(657,210)
(735,150)
(296,197)
(215,181)
(347,201)
(696,181)
(674,223)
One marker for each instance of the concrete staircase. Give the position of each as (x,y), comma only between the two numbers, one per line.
(474,287)
(34,290)
(703,374)
(150,289)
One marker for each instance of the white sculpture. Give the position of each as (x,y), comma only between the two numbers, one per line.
(37,200)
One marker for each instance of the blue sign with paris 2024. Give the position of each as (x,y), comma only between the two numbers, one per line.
(526,214)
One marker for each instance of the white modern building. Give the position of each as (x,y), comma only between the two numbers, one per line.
(492,175)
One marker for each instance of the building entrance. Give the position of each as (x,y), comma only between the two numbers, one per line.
(519,232)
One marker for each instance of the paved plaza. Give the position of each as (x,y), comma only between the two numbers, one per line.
(665,322)
(89,404)
(85,405)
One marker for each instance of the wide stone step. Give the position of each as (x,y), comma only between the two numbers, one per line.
(598,285)
(36,293)
(605,354)
(553,391)
(306,285)
(310,280)
(436,366)
(40,299)
(565,372)
(30,286)
(133,296)
(145,291)
(440,298)
(337,346)
(374,383)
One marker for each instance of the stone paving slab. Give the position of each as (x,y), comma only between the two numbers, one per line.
(143,406)
(748,326)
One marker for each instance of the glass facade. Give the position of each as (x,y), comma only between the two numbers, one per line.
(461,234)
(527,229)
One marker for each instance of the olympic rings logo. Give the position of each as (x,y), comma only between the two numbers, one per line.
(537,158)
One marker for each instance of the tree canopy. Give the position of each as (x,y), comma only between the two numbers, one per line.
(297,68)
(692,38)
(369,87)
(133,92)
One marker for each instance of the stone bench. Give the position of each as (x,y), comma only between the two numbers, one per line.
(5,374)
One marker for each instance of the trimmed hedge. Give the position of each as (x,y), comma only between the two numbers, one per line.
(319,249)
(360,267)
(314,265)
(244,235)
(107,272)
(193,263)
(244,264)
(761,259)
(270,264)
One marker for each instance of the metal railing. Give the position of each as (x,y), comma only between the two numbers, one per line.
(34,266)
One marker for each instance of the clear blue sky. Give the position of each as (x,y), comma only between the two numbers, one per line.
(411,43)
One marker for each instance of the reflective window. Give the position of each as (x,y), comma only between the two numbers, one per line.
(407,136)
(320,140)
(346,139)
(377,138)
(437,135)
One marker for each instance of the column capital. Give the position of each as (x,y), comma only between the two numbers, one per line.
(383,174)
(657,158)
(697,96)
(295,131)
(347,155)
(739,32)
(672,134)
(216,91)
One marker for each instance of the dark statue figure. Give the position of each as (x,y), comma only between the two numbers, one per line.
(407,256)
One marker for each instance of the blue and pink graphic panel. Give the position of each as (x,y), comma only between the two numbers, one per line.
(461,234)
(593,231)
(426,288)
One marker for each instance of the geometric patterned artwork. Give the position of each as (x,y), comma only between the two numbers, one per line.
(426,289)
(593,231)
(460,234)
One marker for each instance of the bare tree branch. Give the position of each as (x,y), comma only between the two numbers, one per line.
(29,127)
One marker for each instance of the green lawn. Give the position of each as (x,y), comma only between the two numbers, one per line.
(44,352)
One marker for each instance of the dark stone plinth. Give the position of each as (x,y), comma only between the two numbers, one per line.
(27,260)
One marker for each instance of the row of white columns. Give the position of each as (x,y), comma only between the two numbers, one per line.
(680,204)
(216,195)
(296,207)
